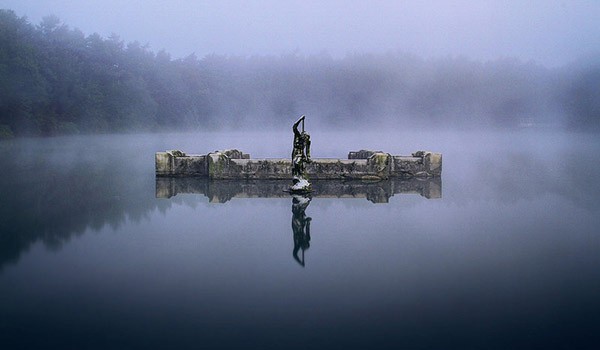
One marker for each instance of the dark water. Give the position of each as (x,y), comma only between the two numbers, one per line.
(503,252)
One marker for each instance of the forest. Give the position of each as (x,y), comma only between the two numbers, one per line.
(55,80)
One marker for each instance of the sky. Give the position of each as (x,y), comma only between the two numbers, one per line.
(549,32)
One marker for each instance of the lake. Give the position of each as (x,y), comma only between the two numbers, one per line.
(502,252)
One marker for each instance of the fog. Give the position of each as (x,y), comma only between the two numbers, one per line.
(552,33)
(98,252)
(55,189)
(107,66)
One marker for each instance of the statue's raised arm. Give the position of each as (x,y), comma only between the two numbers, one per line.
(295,127)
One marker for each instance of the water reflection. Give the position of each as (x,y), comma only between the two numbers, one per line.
(300,226)
(52,191)
(222,191)
(515,238)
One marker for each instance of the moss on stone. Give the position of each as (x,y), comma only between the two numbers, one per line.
(176,153)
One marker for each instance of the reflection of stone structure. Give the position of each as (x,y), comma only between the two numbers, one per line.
(365,165)
(220,191)
(300,157)
(300,226)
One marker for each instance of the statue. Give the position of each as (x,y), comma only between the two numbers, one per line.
(300,156)
(300,226)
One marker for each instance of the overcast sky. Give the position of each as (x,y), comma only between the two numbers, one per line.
(550,32)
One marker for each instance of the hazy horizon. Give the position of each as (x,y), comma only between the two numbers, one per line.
(100,67)
(551,33)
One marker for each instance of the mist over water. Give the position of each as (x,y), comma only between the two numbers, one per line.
(506,257)
(500,252)
(58,80)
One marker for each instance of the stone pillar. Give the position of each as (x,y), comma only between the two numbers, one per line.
(218,165)
(433,163)
(380,163)
(164,163)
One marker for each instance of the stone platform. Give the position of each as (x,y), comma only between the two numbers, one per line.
(236,165)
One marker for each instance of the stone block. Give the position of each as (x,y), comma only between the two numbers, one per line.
(163,164)
(195,165)
(433,163)
(362,154)
(235,154)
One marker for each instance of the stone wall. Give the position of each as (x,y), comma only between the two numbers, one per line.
(234,164)
(171,163)
(420,164)
(222,167)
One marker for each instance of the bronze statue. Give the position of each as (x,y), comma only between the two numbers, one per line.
(300,156)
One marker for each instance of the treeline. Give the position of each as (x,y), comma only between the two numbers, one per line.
(56,80)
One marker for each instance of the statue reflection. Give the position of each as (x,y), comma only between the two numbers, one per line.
(300,226)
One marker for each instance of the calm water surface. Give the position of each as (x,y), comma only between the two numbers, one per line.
(503,252)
